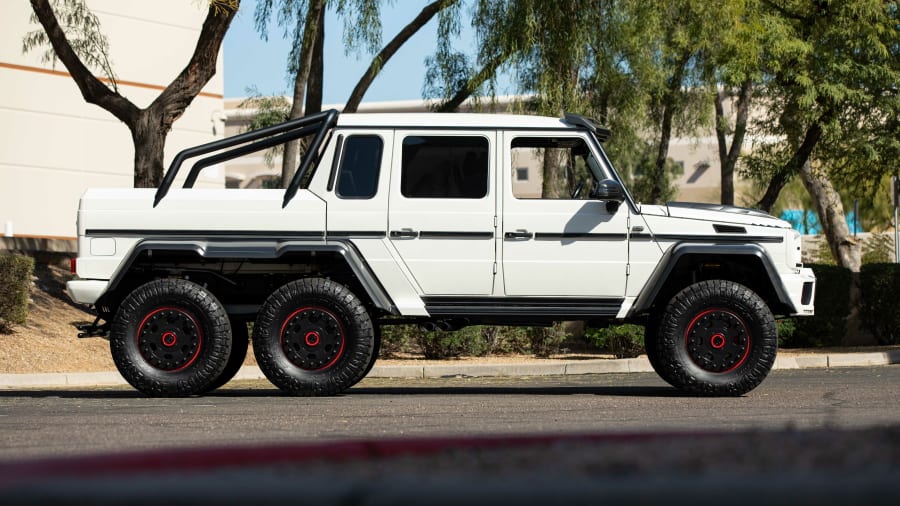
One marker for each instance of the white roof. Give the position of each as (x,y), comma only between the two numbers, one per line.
(449,120)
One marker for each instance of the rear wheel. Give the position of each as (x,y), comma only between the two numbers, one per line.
(170,337)
(240,341)
(313,337)
(715,338)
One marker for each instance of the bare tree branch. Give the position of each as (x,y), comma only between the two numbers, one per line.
(92,89)
(390,49)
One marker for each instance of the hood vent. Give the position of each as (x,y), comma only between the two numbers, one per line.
(729,229)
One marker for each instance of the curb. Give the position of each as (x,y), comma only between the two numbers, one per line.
(567,368)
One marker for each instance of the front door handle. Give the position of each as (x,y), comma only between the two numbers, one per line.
(406,233)
(518,234)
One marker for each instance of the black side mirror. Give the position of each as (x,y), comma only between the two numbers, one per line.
(611,191)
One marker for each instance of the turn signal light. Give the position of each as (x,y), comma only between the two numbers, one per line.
(72,265)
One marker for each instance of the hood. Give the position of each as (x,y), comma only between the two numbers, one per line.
(716,213)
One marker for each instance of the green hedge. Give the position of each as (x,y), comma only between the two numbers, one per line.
(15,289)
(621,341)
(832,301)
(474,341)
(880,310)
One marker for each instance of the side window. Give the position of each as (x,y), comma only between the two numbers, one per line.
(360,167)
(552,168)
(444,167)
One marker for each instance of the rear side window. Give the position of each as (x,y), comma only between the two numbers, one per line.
(444,167)
(360,167)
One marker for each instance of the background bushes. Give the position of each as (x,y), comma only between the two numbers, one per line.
(832,302)
(16,272)
(880,310)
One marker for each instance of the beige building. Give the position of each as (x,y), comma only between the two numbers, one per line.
(53,145)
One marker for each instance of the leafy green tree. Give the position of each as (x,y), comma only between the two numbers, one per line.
(831,70)
(304,22)
(80,45)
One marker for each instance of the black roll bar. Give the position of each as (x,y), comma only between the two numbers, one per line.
(272,136)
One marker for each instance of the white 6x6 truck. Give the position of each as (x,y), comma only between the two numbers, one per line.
(443,220)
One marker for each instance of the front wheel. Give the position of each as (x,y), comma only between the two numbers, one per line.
(715,338)
(313,337)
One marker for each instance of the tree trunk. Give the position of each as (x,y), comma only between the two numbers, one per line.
(149,145)
(555,181)
(728,156)
(471,85)
(669,107)
(292,149)
(794,165)
(314,91)
(149,127)
(846,250)
(390,49)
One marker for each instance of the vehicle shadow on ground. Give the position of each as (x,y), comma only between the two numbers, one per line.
(606,391)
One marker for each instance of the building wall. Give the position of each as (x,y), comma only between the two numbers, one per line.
(53,145)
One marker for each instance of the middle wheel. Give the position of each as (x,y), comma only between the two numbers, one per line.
(313,337)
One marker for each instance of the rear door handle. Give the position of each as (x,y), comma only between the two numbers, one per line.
(404,234)
(518,234)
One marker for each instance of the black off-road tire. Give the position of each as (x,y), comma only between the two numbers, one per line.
(170,338)
(715,338)
(240,341)
(376,350)
(651,337)
(313,337)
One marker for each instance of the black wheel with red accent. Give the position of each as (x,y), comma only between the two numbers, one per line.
(313,337)
(170,337)
(715,337)
(240,342)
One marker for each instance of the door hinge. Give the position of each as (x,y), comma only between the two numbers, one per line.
(495,267)
(628,269)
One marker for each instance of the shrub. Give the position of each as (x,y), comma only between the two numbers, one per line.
(621,341)
(787,327)
(880,311)
(16,272)
(546,341)
(464,342)
(832,301)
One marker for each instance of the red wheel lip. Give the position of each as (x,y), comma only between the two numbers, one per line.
(340,352)
(193,321)
(746,331)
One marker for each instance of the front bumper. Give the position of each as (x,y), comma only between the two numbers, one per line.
(801,289)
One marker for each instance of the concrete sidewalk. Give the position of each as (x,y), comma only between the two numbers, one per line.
(474,368)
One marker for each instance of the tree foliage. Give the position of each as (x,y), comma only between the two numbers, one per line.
(303,23)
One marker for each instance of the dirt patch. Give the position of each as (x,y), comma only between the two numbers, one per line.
(48,341)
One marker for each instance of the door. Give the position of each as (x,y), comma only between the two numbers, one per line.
(558,241)
(442,210)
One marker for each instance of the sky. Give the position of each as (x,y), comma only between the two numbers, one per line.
(250,61)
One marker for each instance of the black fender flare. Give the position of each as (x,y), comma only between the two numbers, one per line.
(670,259)
(261,249)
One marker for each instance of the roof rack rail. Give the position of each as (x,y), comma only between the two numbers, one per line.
(250,142)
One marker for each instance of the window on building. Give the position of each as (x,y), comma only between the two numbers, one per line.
(360,167)
(567,161)
(444,167)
